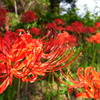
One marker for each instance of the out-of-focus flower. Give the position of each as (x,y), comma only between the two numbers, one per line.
(97,24)
(2,12)
(58,21)
(69,28)
(62,39)
(60,28)
(28,17)
(66,37)
(2,20)
(94,38)
(36,31)
(87,84)
(89,30)
(77,27)
(51,26)
(2,16)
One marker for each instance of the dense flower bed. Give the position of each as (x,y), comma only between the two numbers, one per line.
(35,50)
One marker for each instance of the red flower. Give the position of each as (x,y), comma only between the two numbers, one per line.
(26,58)
(88,82)
(89,30)
(7,41)
(2,20)
(76,27)
(94,38)
(51,26)
(56,47)
(69,28)
(19,58)
(28,17)
(63,38)
(2,16)
(66,38)
(2,12)
(60,28)
(58,21)
(36,31)
(97,24)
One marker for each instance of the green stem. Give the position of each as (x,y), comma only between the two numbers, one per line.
(6,94)
(58,90)
(94,56)
(47,87)
(52,80)
(26,87)
(18,92)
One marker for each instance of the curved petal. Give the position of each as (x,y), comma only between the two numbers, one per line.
(4,85)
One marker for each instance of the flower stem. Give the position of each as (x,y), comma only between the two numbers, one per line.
(26,87)
(94,56)
(18,91)
(58,90)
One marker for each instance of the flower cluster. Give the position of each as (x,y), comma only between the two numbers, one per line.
(18,55)
(58,21)
(2,16)
(26,58)
(77,29)
(28,17)
(94,38)
(36,31)
(87,84)
(89,81)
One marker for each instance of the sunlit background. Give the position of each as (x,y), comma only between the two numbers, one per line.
(83,5)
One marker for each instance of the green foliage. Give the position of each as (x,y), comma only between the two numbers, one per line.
(71,16)
(88,19)
(46,18)
(9,2)
(14,21)
(2,97)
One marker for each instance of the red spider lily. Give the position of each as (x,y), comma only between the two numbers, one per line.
(94,38)
(62,39)
(2,16)
(2,20)
(89,81)
(75,27)
(51,26)
(26,58)
(28,17)
(59,51)
(58,21)
(7,41)
(2,12)
(17,59)
(36,31)
(69,28)
(89,30)
(60,28)
(97,24)
(66,38)
(52,33)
